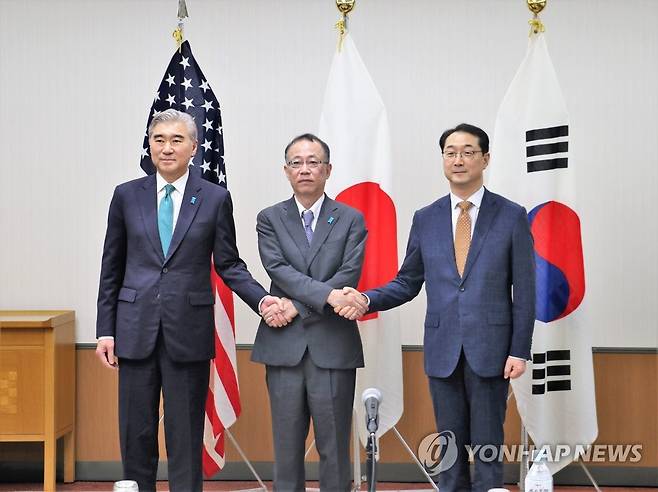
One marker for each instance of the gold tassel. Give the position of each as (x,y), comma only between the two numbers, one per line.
(535,7)
(340,25)
(536,26)
(344,7)
(178,36)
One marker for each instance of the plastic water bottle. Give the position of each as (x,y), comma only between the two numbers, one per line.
(539,478)
(125,486)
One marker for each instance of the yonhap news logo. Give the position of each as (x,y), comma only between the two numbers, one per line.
(438,452)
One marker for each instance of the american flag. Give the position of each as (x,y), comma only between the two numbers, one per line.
(185,88)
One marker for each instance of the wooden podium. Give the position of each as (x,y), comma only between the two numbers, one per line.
(37,384)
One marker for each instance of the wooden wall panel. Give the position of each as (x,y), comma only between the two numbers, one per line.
(252,430)
(627,402)
(627,405)
(97,433)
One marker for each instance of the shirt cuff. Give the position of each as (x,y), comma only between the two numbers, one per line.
(517,358)
(367,298)
(104,338)
(260,303)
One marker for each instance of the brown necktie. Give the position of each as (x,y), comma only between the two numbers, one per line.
(462,236)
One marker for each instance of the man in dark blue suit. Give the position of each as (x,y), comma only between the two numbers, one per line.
(155,302)
(473,250)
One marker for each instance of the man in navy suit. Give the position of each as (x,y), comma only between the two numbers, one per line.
(155,302)
(479,275)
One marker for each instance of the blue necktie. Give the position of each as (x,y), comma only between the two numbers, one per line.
(307,215)
(166,218)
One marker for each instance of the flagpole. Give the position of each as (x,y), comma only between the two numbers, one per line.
(178,32)
(415,458)
(178,36)
(345,7)
(523,472)
(536,29)
(536,26)
(246,460)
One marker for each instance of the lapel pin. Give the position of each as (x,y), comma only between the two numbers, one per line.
(193,200)
(330,220)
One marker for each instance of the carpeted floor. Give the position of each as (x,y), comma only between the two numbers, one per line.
(212,486)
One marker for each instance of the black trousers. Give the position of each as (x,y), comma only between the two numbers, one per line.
(472,408)
(184,387)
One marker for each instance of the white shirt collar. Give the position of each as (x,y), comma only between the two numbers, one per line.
(475,198)
(179,184)
(315,208)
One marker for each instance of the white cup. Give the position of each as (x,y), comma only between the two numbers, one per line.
(125,486)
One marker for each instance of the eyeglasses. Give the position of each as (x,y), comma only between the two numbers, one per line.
(310,163)
(466,154)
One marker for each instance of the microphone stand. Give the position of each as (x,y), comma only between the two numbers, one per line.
(371,462)
(372,398)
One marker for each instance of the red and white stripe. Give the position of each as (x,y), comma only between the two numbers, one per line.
(223,401)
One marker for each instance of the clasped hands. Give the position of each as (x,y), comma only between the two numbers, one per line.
(277,311)
(347,302)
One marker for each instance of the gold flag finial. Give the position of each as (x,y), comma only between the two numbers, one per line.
(178,32)
(344,7)
(535,7)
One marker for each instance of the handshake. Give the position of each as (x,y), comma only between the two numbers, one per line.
(347,302)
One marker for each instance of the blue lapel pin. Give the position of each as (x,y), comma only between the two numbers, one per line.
(330,220)
(193,200)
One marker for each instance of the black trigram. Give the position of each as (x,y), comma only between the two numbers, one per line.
(547,148)
(549,370)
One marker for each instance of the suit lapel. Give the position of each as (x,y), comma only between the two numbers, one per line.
(327,219)
(147,197)
(488,210)
(445,237)
(189,206)
(293,223)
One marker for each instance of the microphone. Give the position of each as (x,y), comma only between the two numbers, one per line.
(372,398)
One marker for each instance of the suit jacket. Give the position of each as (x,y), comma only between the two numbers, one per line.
(307,274)
(476,312)
(141,290)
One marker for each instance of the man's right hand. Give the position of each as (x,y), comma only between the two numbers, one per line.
(348,303)
(105,352)
(280,313)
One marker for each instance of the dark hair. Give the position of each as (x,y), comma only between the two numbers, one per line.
(311,138)
(483,138)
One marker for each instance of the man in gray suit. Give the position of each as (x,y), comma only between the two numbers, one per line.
(477,334)
(311,246)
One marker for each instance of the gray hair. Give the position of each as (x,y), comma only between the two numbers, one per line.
(173,115)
